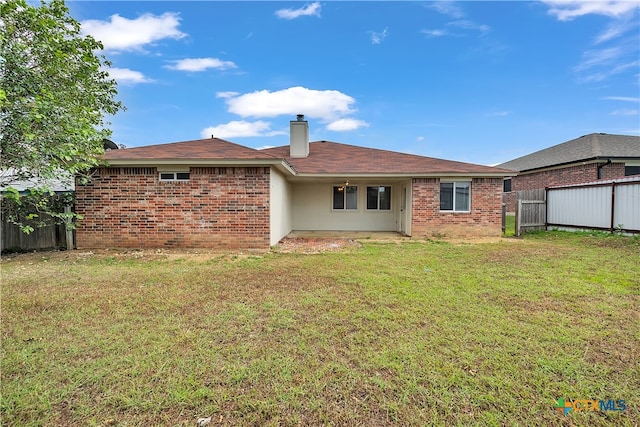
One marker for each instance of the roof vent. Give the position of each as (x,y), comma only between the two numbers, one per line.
(300,117)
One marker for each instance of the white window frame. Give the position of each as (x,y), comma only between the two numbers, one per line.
(175,176)
(455,183)
(377,209)
(345,187)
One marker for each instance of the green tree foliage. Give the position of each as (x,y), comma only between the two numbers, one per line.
(55,93)
(37,207)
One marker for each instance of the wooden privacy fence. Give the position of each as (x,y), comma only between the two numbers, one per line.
(52,236)
(610,205)
(47,237)
(530,211)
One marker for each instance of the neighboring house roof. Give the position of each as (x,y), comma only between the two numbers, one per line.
(62,184)
(588,147)
(325,158)
(9,178)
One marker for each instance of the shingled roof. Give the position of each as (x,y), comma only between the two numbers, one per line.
(200,149)
(588,147)
(325,158)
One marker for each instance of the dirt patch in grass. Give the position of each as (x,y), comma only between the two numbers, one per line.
(315,245)
(197,255)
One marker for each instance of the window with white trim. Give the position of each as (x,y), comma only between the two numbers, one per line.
(455,196)
(345,197)
(379,198)
(174,176)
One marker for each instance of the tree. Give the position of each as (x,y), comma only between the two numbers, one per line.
(54,93)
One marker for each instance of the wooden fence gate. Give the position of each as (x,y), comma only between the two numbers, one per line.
(531,211)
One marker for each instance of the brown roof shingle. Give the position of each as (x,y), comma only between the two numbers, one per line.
(327,157)
(201,149)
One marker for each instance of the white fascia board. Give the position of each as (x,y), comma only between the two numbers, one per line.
(404,175)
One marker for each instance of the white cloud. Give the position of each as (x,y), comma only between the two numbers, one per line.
(201,64)
(615,49)
(616,29)
(624,112)
(240,128)
(227,94)
(127,76)
(434,33)
(328,105)
(420,138)
(566,10)
(623,98)
(312,9)
(468,25)
(347,124)
(597,57)
(121,34)
(498,114)
(377,38)
(447,8)
(607,72)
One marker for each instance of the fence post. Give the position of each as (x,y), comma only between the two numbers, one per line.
(504,218)
(68,228)
(518,217)
(613,206)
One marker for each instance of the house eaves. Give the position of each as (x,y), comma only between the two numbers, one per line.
(601,159)
(408,175)
(280,164)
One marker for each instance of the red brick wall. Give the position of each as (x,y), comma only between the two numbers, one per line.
(579,174)
(216,208)
(484,219)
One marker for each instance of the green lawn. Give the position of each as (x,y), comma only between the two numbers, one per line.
(510,225)
(421,333)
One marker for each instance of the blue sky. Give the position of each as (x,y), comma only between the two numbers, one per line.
(481,82)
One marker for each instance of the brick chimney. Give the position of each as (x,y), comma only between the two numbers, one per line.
(299,137)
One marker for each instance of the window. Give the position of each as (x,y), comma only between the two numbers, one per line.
(455,196)
(345,197)
(506,185)
(631,170)
(174,176)
(379,198)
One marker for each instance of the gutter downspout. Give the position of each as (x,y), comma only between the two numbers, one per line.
(600,166)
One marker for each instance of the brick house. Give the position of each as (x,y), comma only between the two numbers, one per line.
(593,157)
(214,193)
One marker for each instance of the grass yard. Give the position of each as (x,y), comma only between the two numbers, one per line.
(510,226)
(416,333)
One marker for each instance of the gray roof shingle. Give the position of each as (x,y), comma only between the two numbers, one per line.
(587,147)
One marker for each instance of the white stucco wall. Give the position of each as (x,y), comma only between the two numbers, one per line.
(312,209)
(280,207)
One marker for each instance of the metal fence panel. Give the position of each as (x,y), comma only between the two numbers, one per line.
(582,207)
(627,207)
